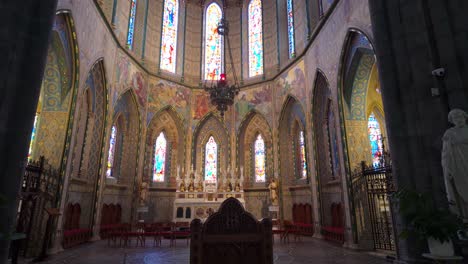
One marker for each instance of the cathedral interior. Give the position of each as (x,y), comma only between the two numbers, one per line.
(142,115)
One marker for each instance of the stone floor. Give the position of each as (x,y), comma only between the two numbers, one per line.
(309,250)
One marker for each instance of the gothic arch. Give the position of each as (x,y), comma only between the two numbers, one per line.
(292,118)
(56,106)
(358,95)
(326,149)
(253,124)
(88,143)
(126,112)
(168,121)
(210,125)
(294,188)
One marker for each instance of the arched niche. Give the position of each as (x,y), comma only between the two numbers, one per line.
(58,95)
(254,124)
(210,126)
(168,122)
(89,132)
(127,119)
(359,96)
(291,122)
(326,149)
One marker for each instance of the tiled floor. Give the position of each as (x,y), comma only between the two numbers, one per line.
(308,251)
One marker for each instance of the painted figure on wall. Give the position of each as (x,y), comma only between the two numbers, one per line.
(202,106)
(138,82)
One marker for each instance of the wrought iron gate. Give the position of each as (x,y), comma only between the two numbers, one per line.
(38,191)
(371,188)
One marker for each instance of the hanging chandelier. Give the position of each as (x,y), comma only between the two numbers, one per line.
(221,93)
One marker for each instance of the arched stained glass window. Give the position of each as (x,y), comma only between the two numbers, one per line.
(131,24)
(211,160)
(375,138)
(33,137)
(255,38)
(302,155)
(213,43)
(259,159)
(169,35)
(111,152)
(159,167)
(290,10)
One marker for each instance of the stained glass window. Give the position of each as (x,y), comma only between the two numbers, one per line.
(111,153)
(33,137)
(169,35)
(213,43)
(211,160)
(259,159)
(302,155)
(159,167)
(131,24)
(290,10)
(375,138)
(255,38)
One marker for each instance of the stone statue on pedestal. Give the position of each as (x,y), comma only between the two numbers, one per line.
(455,163)
(143,193)
(273,186)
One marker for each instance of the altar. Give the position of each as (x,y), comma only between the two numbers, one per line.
(199,198)
(191,205)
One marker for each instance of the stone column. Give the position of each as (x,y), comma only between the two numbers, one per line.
(412,38)
(24,36)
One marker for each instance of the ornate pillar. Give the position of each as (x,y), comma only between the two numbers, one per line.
(413,38)
(25,31)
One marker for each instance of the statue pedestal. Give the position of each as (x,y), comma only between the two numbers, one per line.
(274,211)
(142,213)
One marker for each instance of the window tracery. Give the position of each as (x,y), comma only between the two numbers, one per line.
(213,43)
(169,35)
(260,168)
(211,160)
(131,24)
(255,33)
(159,166)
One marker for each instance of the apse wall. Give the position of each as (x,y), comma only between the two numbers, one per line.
(125,69)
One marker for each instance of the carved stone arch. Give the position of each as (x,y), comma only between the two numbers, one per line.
(211,125)
(167,121)
(89,136)
(128,117)
(254,123)
(326,148)
(357,72)
(292,118)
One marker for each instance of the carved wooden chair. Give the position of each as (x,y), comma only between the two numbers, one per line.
(231,235)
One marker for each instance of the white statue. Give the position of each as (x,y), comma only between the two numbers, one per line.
(455,162)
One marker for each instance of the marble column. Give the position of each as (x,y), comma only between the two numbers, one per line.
(412,38)
(24,34)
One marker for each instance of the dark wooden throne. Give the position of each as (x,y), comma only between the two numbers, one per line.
(231,235)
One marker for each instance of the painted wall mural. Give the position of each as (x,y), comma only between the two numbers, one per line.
(162,93)
(202,105)
(128,75)
(259,99)
(292,82)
